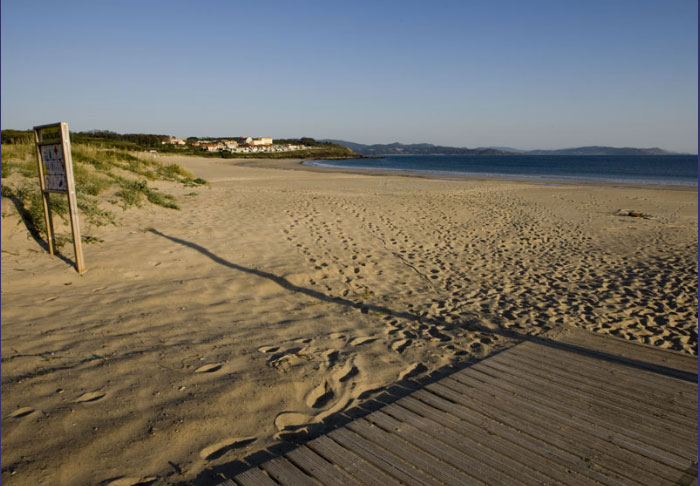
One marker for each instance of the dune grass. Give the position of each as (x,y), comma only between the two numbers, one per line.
(104,177)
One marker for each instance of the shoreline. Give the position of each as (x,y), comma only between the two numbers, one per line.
(303,164)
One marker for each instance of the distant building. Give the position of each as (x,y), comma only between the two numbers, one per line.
(176,141)
(212,147)
(195,144)
(244,140)
(261,141)
(231,144)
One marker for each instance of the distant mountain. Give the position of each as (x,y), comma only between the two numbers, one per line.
(430,149)
(597,150)
(507,149)
(414,149)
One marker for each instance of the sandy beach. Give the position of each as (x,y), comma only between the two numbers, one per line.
(279,298)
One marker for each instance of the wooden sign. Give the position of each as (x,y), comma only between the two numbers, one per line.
(55,165)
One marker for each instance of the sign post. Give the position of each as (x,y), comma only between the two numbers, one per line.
(53,157)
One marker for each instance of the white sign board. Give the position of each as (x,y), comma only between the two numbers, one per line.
(55,165)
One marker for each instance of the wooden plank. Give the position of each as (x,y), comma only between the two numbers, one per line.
(607,372)
(592,401)
(563,466)
(476,443)
(586,408)
(378,456)
(254,477)
(628,349)
(644,376)
(72,200)
(622,431)
(534,414)
(441,472)
(592,450)
(351,462)
(45,201)
(445,451)
(316,466)
(558,419)
(616,392)
(285,473)
(557,416)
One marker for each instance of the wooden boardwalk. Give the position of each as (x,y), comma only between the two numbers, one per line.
(580,410)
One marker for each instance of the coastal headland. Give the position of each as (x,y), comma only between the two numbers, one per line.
(280,297)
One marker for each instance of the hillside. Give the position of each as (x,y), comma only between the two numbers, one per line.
(599,150)
(414,149)
(430,149)
(108,182)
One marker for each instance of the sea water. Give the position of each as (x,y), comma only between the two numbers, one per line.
(667,170)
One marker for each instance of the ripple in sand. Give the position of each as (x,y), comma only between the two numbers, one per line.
(89,397)
(209,368)
(130,481)
(22,412)
(358,341)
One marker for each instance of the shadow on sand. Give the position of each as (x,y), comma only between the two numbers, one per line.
(33,230)
(215,475)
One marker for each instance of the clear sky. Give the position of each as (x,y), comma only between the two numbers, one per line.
(525,74)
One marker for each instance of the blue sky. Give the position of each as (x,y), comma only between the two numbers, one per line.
(536,74)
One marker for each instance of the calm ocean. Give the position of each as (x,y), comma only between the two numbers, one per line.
(676,170)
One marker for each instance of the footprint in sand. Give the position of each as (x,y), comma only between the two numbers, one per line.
(414,370)
(346,372)
(437,335)
(209,368)
(268,349)
(89,397)
(22,412)
(217,450)
(400,345)
(130,481)
(337,335)
(330,357)
(408,334)
(320,395)
(358,341)
(369,391)
(290,421)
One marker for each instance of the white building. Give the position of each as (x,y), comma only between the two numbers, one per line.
(261,141)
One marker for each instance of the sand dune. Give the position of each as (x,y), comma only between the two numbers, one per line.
(277,300)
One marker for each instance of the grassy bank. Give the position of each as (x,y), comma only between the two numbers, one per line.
(106,180)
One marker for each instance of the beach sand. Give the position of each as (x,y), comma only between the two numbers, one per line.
(280,298)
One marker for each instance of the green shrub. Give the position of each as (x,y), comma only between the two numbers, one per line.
(131,192)
(96,168)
